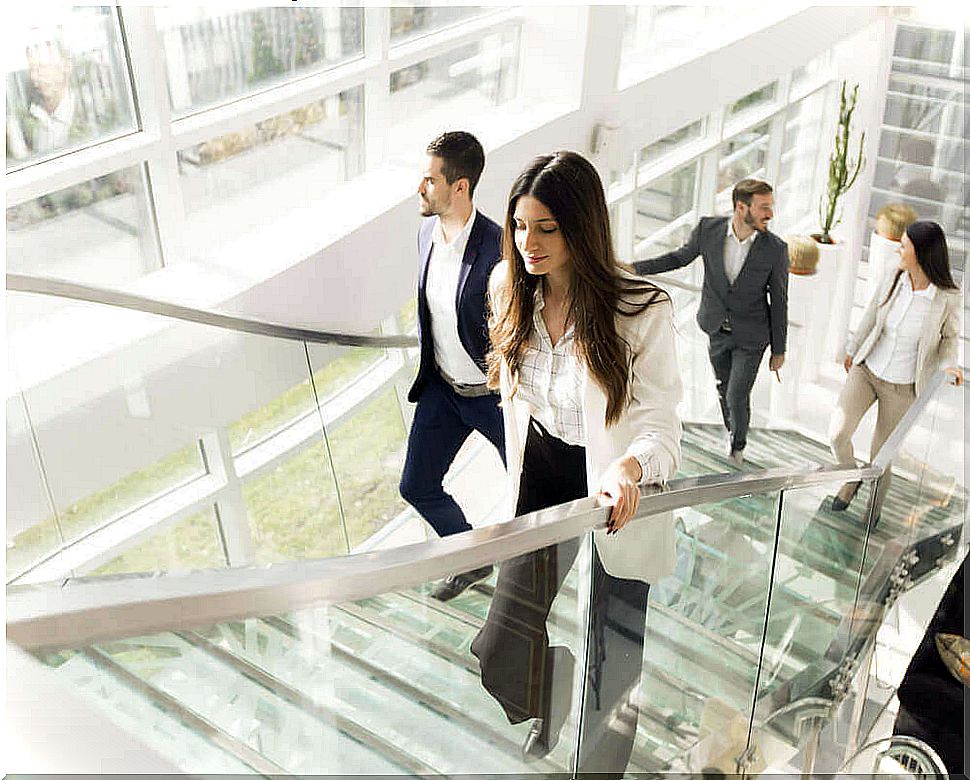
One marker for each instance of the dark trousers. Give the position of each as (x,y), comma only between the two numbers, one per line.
(442,421)
(527,677)
(735,369)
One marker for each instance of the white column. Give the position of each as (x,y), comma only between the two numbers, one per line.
(230,504)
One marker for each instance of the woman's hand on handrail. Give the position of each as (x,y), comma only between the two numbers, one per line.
(620,487)
(956,373)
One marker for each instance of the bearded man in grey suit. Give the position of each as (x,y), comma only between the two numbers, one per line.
(744,298)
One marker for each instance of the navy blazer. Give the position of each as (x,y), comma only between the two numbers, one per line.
(756,304)
(483,251)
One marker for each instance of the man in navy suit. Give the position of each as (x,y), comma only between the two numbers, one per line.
(744,299)
(457,249)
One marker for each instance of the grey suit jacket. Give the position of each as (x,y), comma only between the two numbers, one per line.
(756,305)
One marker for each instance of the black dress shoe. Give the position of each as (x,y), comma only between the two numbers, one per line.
(840,504)
(450,587)
(543,734)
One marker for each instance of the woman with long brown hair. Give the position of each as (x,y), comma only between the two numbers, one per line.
(908,332)
(583,354)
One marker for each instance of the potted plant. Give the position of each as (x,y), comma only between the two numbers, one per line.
(843,171)
(834,271)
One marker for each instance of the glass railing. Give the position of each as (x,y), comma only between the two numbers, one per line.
(344,664)
(163,439)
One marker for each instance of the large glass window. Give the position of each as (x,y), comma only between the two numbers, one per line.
(753,100)
(801,157)
(743,156)
(664,200)
(411,21)
(249,178)
(99,232)
(215,55)
(659,149)
(67,83)
(428,97)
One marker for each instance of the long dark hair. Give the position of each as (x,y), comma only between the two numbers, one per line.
(569,186)
(929,244)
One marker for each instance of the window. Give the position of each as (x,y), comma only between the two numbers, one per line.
(100,231)
(413,21)
(752,100)
(213,56)
(67,86)
(249,178)
(802,154)
(666,199)
(427,97)
(660,149)
(743,156)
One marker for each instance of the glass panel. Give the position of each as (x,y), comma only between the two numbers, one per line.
(413,21)
(665,199)
(681,137)
(753,99)
(742,156)
(67,81)
(367,434)
(925,108)
(427,97)
(243,181)
(395,684)
(98,232)
(801,158)
(213,56)
(193,543)
(813,598)
(119,401)
(704,630)
(923,43)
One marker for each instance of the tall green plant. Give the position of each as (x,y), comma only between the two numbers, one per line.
(842,171)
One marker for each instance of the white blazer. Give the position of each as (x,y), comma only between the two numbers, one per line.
(643,550)
(938,341)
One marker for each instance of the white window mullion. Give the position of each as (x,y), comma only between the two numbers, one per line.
(230,502)
(377,85)
(150,79)
(776,141)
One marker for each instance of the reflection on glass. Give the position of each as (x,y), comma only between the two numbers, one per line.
(78,515)
(753,99)
(247,179)
(706,622)
(67,82)
(925,108)
(742,156)
(193,543)
(412,21)
(667,144)
(215,55)
(427,97)
(665,199)
(97,232)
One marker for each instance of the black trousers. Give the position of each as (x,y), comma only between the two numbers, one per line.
(527,677)
(735,369)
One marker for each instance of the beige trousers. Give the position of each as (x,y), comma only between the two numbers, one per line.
(861,390)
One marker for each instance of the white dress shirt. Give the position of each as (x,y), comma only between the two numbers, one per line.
(441,289)
(551,382)
(736,251)
(893,356)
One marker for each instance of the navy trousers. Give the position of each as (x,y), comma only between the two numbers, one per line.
(442,421)
(735,369)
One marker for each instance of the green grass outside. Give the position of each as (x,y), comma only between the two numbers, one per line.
(293,509)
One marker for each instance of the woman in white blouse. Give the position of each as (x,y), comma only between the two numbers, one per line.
(909,330)
(583,354)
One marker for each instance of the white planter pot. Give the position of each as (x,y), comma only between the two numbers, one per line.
(834,294)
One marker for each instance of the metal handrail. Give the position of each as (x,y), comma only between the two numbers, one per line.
(81,611)
(62,288)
